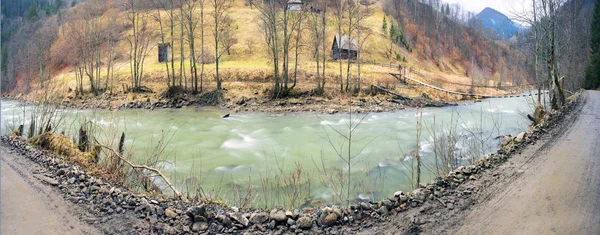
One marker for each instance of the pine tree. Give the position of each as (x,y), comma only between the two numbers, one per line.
(384,26)
(592,78)
(393,33)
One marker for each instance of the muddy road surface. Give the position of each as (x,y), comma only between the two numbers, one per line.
(558,191)
(30,205)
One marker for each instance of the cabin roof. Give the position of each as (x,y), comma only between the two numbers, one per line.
(346,42)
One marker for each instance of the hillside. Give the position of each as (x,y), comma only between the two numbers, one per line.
(503,27)
(464,57)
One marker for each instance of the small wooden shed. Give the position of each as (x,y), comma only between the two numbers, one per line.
(164,52)
(348,48)
(294,5)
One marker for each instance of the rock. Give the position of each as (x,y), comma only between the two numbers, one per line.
(304,223)
(418,195)
(197,213)
(468,170)
(240,218)
(383,210)
(259,218)
(278,215)
(199,226)
(71,180)
(171,214)
(365,206)
(450,206)
(225,220)
(520,137)
(472,177)
(505,140)
(330,219)
(49,180)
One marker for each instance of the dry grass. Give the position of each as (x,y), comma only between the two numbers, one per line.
(64,146)
(247,71)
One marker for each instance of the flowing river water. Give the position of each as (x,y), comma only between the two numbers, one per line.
(249,158)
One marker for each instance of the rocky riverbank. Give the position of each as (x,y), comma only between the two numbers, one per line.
(306,103)
(112,204)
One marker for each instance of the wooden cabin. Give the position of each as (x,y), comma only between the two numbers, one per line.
(164,52)
(294,5)
(348,48)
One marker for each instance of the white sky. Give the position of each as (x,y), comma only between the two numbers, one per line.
(505,6)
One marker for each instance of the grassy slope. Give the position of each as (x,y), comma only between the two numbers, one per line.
(244,66)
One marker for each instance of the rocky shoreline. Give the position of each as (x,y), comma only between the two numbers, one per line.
(315,104)
(164,215)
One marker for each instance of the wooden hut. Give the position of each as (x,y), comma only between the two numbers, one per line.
(294,5)
(348,48)
(164,52)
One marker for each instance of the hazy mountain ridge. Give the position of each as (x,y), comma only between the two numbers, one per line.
(493,19)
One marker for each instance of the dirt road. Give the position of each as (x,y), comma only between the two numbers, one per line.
(30,205)
(558,191)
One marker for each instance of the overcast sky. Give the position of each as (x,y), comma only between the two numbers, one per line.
(504,6)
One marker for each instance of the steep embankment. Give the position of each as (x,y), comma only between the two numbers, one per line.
(102,27)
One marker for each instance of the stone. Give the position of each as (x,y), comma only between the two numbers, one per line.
(199,226)
(278,215)
(197,213)
(240,218)
(49,180)
(472,177)
(225,220)
(520,137)
(383,210)
(418,195)
(290,222)
(387,203)
(330,219)
(259,218)
(468,170)
(304,223)
(171,214)
(450,206)
(365,206)
(71,180)
(505,140)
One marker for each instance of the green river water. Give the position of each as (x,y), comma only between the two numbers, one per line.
(226,157)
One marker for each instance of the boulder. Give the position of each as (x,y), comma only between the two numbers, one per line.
(304,223)
(259,218)
(240,218)
(197,213)
(278,215)
(330,219)
(520,138)
(171,214)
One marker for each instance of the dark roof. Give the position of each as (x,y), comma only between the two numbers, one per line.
(346,42)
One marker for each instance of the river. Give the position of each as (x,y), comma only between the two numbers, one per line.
(247,159)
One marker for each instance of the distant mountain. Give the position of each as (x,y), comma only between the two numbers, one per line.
(491,18)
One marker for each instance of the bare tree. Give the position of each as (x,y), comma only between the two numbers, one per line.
(139,43)
(219,15)
(191,25)
(318,19)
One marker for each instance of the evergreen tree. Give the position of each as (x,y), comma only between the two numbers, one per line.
(384,26)
(592,78)
(393,33)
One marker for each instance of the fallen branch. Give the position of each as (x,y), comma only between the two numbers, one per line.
(136,166)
